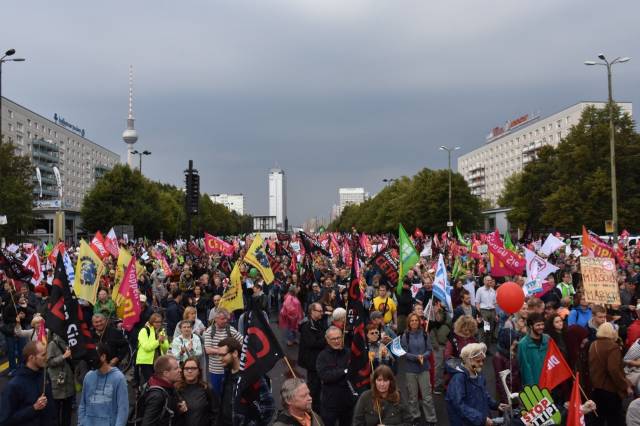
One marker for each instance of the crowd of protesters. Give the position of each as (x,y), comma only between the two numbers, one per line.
(183,358)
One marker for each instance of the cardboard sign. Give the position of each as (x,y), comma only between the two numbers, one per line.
(599,277)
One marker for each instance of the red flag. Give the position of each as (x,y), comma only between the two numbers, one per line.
(555,369)
(97,245)
(111,243)
(54,253)
(41,333)
(365,245)
(418,233)
(33,264)
(216,245)
(194,249)
(293,266)
(575,416)
(503,261)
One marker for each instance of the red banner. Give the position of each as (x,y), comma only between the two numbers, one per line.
(216,245)
(555,369)
(503,261)
(97,245)
(593,246)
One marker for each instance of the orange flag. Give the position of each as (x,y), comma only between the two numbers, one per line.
(575,417)
(555,369)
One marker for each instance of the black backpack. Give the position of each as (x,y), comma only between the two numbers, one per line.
(136,416)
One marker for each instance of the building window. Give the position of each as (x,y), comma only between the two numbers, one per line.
(19,126)
(28,123)
(10,114)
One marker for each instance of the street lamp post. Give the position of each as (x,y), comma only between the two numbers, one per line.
(612,135)
(140,154)
(449,151)
(389,181)
(3,59)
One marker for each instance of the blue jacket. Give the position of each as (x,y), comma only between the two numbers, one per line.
(468,401)
(531,358)
(416,343)
(18,397)
(579,316)
(104,400)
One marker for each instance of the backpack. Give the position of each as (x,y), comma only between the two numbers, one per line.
(453,364)
(136,416)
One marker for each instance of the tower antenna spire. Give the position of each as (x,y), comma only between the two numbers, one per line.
(130,92)
(130,135)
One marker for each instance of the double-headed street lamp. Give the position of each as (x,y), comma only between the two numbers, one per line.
(4,59)
(612,145)
(389,181)
(140,154)
(449,151)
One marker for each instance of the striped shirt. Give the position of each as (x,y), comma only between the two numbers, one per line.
(215,362)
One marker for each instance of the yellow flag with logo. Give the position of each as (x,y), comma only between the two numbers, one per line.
(124,257)
(232,298)
(89,269)
(257,258)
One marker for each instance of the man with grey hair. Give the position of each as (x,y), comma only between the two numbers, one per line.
(337,398)
(218,330)
(296,405)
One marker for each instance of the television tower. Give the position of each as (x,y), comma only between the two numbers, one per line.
(130,135)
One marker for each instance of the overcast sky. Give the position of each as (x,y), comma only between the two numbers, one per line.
(338,93)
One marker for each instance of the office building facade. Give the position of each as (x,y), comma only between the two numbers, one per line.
(56,144)
(278,197)
(347,196)
(234,202)
(509,148)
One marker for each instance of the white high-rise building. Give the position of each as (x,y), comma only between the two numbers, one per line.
(278,197)
(234,202)
(347,196)
(510,147)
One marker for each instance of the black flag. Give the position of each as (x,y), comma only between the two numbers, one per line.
(260,350)
(387,267)
(359,366)
(64,315)
(311,245)
(13,268)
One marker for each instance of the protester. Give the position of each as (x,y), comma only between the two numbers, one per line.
(405,304)
(187,344)
(532,350)
(581,312)
(610,386)
(381,404)
(416,342)
(290,315)
(191,314)
(60,372)
(506,359)
(296,405)
(152,343)
(384,303)
(486,305)
(378,352)
(337,397)
(161,402)
(202,406)
(468,400)
(105,398)
(23,401)
(251,406)
(312,342)
(219,330)
(104,332)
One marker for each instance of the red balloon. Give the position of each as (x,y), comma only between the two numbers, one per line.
(510,297)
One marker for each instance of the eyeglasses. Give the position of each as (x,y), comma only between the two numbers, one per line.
(374,332)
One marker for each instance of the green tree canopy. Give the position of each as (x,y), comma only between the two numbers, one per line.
(125,197)
(16,196)
(421,201)
(570,185)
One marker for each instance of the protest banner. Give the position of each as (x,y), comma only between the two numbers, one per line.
(599,279)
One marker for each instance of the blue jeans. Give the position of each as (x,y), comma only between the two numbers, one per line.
(216,383)
(291,335)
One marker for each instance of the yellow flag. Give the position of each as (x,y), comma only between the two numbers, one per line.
(232,298)
(124,257)
(257,258)
(89,269)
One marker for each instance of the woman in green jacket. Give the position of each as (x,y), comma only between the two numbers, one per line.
(152,343)
(381,404)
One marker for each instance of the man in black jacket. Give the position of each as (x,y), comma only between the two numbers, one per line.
(174,311)
(337,398)
(312,342)
(405,304)
(161,404)
(103,332)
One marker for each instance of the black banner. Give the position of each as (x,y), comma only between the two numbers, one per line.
(64,315)
(311,245)
(386,266)
(359,366)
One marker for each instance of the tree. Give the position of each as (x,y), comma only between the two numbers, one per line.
(421,201)
(570,186)
(16,191)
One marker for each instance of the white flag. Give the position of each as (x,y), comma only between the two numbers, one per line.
(551,244)
(538,267)
(396,347)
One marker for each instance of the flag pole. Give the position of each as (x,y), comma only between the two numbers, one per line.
(44,376)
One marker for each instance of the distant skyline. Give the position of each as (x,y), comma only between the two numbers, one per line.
(336,93)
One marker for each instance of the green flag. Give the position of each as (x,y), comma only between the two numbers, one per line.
(48,248)
(507,242)
(458,270)
(408,256)
(461,238)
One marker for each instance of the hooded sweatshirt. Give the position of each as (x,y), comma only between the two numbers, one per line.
(104,400)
